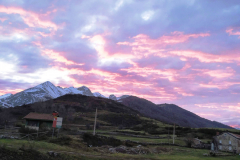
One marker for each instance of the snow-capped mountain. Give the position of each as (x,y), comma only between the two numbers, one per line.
(5,95)
(46,91)
(97,94)
(41,92)
(85,91)
(72,90)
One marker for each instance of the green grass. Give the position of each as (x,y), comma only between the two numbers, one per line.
(13,143)
(146,140)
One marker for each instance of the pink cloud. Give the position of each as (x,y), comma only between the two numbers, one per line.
(32,19)
(219,85)
(219,73)
(3,19)
(205,57)
(57,57)
(175,37)
(98,72)
(182,92)
(143,45)
(13,91)
(146,71)
(231,32)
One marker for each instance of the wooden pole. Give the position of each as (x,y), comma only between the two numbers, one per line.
(95,123)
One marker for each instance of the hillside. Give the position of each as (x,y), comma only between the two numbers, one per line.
(76,108)
(169,113)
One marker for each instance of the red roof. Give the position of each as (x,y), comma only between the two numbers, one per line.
(235,135)
(39,116)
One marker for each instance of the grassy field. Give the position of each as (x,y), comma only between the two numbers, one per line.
(147,140)
(178,153)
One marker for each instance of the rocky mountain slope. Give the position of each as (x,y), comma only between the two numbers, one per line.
(169,113)
(42,92)
(97,94)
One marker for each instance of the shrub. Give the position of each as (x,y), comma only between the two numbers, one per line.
(19,125)
(100,140)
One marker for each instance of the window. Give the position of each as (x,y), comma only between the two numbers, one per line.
(230,148)
(230,142)
(220,147)
(220,141)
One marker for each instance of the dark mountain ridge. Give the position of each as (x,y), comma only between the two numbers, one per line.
(170,113)
(70,104)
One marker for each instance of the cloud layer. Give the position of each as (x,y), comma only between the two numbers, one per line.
(182,52)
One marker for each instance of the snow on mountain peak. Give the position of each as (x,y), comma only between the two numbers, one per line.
(97,94)
(5,95)
(86,91)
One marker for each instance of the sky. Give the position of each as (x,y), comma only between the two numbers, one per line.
(184,52)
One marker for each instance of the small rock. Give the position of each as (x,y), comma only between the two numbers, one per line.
(205,154)
(113,150)
(55,154)
(50,153)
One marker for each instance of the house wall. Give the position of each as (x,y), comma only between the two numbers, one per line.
(228,143)
(32,124)
(36,124)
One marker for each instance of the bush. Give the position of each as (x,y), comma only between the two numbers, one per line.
(19,125)
(100,140)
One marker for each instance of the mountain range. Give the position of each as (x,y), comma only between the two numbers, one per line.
(44,92)
(168,113)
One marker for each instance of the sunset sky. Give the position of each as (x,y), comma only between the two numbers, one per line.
(185,52)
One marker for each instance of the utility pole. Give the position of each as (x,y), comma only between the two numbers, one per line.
(173,132)
(95,123)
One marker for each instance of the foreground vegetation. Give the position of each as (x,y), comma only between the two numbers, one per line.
(24,150)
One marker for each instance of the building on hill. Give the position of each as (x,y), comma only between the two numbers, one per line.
(37,120)
(228,142)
